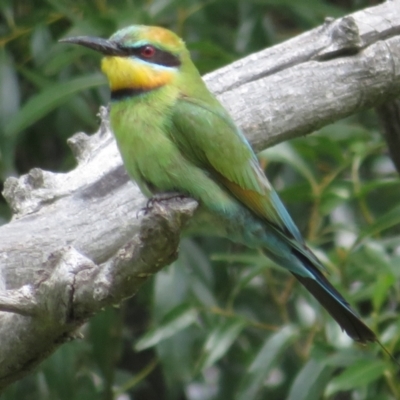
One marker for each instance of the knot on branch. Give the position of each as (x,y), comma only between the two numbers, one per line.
(51,298)
(163,226)
(84,146)
(343,38)
(155,246)
(26,194)
(72,287)
(38,188)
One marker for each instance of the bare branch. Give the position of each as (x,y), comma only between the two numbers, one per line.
(78,241)
(72,288)
(314,79)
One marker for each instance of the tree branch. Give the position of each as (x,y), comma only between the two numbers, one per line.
(78,241)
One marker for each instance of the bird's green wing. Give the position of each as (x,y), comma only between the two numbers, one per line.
(210,139)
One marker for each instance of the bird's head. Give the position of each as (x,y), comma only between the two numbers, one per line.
(138,58)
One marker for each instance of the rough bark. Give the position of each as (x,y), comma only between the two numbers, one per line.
(79,241)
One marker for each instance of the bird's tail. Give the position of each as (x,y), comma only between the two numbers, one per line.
(334,302)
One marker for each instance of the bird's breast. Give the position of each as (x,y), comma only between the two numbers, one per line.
(140,129)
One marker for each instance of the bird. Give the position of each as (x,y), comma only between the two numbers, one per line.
(174,136)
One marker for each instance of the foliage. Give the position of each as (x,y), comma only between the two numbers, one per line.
(223,322)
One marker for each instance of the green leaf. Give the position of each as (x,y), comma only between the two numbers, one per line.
(9,88)
(336,194)
(105,340)
(265,360)
(272,348)
(377,254)
(193,259)
(378,184)
(310,382)
(284,152)
(9,106)
(50,98)
(40,44)
(171,286)
(176,355)
(386,221)
(296,193)
(380,291)
(219,341)
(360,374)
(176,320)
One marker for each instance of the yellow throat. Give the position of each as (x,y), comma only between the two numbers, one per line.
(128,73)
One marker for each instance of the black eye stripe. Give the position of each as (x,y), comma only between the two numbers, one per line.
(160,57)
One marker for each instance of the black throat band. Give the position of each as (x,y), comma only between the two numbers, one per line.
(122,94)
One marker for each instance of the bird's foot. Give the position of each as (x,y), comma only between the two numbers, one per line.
(159,198)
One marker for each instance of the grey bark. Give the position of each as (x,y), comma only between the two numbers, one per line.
(79,241)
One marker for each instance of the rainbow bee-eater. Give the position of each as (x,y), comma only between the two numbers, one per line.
(175,136)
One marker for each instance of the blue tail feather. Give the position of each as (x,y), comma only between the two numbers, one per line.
(334,302)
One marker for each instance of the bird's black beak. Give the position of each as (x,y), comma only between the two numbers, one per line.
(103,46)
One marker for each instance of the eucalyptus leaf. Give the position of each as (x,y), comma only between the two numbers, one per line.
(41,104)
(360,374)
(176,320)
(386,221)
(284,152)
(311,380)
(265,359)
(219,340)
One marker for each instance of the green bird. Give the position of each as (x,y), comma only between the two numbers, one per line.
(175,136)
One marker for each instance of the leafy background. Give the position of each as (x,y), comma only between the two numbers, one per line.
(223,322)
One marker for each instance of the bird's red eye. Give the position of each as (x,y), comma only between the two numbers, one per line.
(147,51)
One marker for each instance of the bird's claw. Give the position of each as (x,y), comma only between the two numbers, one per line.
(159,198)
